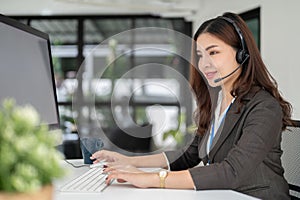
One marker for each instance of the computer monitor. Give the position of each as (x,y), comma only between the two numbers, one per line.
(26,70)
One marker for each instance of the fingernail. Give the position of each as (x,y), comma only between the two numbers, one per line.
(106,178)
(104,166)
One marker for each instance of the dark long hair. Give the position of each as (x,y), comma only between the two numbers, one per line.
(254,72)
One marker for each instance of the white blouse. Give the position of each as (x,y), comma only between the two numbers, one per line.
(217,120)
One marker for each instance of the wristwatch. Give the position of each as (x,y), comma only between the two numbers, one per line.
(162,176)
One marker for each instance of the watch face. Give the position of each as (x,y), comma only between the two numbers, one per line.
(163,173)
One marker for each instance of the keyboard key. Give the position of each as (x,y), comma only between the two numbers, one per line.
(91,181)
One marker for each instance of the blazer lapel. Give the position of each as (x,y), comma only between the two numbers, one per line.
(202,148)
(224,131)
(231,119)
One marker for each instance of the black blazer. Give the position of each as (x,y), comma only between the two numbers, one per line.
(246,156)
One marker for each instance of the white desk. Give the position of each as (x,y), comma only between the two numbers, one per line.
(128,192)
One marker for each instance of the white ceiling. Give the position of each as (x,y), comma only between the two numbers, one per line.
(165,8)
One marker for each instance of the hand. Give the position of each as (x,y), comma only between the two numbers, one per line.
(132,175)
(110,157)
(122,168)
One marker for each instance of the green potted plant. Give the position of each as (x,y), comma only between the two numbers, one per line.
(29,160)
(179,134)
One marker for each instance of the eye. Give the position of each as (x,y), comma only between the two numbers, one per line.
(213,53)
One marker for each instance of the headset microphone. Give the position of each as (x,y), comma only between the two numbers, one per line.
(222,78)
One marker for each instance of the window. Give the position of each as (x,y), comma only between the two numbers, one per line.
(252,18)
(147,79)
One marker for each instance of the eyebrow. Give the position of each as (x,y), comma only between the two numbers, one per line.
(211,46)
(207,48)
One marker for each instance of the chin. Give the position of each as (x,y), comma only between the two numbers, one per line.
(211,83)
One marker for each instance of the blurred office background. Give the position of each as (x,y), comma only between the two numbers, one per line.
(156,98)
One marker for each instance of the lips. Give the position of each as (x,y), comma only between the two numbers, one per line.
(210,75)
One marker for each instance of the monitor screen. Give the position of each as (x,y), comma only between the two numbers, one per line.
(26,72)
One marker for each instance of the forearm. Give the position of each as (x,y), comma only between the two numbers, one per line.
(156,160)
(174,180)
(179,180)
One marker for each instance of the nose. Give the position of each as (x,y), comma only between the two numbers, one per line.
(204,62)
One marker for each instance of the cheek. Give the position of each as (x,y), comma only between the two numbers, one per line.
(200,66)
(221,64)
(201,69)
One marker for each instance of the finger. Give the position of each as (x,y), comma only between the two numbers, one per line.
(100,156)
(108,169)
(115,175)
(128,168)
(121,181)
(108,166)
(97,155)
(109,179)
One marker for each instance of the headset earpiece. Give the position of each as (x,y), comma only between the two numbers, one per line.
(241,54)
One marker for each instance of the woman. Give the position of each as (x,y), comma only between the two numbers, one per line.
(240,117)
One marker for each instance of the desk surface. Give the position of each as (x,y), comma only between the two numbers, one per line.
(126,191)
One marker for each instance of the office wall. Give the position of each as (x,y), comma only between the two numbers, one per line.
(280,39)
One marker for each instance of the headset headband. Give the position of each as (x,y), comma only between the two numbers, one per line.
(238,30)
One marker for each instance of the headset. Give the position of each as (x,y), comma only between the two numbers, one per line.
(242,54)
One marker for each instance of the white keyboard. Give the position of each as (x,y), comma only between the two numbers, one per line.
(91,181)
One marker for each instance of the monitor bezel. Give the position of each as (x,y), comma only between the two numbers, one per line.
(18,25)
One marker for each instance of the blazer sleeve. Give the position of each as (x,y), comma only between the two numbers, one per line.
(184,158)
(259,133)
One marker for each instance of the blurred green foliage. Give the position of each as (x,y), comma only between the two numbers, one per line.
(28,156)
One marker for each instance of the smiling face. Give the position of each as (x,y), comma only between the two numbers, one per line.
(216,60)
